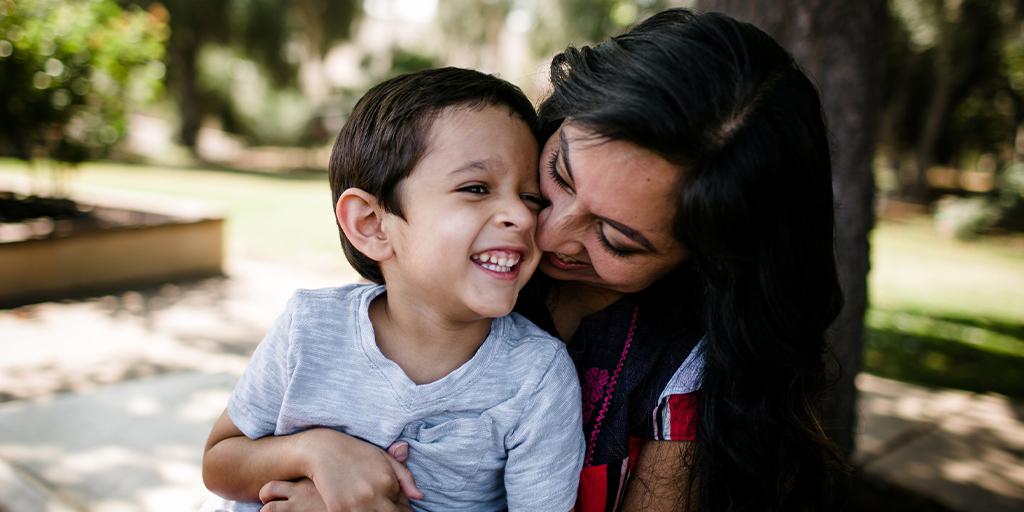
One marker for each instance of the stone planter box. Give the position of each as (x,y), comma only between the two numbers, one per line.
(126,243)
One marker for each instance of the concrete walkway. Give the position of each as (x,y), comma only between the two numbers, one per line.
(106,403)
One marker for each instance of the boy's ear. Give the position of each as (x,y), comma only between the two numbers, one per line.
(360,217)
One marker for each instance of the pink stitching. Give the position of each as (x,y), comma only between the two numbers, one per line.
(611,390)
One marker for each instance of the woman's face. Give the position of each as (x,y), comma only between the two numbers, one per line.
(609,223)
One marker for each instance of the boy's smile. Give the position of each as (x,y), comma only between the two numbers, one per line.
(466,244)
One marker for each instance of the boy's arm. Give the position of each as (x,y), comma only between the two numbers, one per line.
(348,473)
(235,467)
(545,450)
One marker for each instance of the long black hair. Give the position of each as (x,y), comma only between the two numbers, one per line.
(725,102)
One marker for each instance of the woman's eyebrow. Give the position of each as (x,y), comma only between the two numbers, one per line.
(630,233)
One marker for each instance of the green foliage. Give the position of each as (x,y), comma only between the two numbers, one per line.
(67,71)
(407,61)
(962,60)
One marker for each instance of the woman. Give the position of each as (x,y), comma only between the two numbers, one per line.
(689,266)
(687,167)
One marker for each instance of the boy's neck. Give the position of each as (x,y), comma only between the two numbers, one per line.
(424,342)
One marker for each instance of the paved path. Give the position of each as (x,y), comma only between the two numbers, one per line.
(106,403)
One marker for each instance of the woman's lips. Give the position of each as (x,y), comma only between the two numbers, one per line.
(564,262)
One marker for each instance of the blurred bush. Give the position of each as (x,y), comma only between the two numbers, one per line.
(1003,208)
(249,101)
(68,70)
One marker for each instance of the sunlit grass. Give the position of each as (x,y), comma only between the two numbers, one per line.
(945,312)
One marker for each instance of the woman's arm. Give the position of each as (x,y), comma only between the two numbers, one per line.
(350,474)
(661,479)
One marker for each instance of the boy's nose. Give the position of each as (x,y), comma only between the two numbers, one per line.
(516,215)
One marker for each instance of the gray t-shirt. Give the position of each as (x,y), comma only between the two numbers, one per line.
(501,431)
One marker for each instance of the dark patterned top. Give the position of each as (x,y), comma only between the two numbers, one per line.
(635,386)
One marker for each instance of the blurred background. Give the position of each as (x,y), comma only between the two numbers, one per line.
(202,130)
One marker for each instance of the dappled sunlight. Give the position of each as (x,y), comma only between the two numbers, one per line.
(132,445)
(965,449)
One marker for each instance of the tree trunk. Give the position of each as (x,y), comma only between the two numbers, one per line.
(938,104)
(184,81)
(841,46)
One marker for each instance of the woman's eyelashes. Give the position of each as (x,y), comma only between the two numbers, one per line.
(616,251)
(553,172)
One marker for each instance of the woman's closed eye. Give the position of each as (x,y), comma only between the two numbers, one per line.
(552,165)
(613,248)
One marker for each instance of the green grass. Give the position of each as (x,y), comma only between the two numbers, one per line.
(945,313)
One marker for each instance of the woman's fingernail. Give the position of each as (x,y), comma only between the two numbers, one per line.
(402,451)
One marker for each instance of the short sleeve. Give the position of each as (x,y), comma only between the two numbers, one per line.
(256,401)
(545,450)
(675,417)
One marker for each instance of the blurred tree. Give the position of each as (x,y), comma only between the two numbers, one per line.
(951,90)
(840,45)
(474,25)
(260,29)
(479,24)
(575,22)
(67,70)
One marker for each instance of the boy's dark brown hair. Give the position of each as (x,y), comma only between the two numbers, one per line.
(386,135)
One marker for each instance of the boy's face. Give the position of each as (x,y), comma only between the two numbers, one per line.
(466,245)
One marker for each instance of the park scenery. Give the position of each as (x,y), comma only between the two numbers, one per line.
(163,190)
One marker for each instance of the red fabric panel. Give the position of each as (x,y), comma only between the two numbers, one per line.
(682,410)
(593,494)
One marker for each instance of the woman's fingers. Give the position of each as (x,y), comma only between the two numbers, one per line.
(300,496)
(276,490)
(405,480)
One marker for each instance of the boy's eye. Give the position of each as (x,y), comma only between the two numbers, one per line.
(535,200)
(474,189)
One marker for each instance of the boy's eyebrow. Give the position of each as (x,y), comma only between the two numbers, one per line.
(475,165)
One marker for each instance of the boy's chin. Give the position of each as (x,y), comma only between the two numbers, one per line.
(493,310)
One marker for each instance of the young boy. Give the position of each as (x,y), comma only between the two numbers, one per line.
(435,190)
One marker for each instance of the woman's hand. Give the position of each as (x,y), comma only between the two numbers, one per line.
(365,478)
(302,496)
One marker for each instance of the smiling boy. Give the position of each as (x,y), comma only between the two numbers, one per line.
(435,193)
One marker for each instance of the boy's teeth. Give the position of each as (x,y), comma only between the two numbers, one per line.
(497,268)
(499,258)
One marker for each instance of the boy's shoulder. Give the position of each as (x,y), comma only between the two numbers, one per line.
(523,339)
(315,299)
